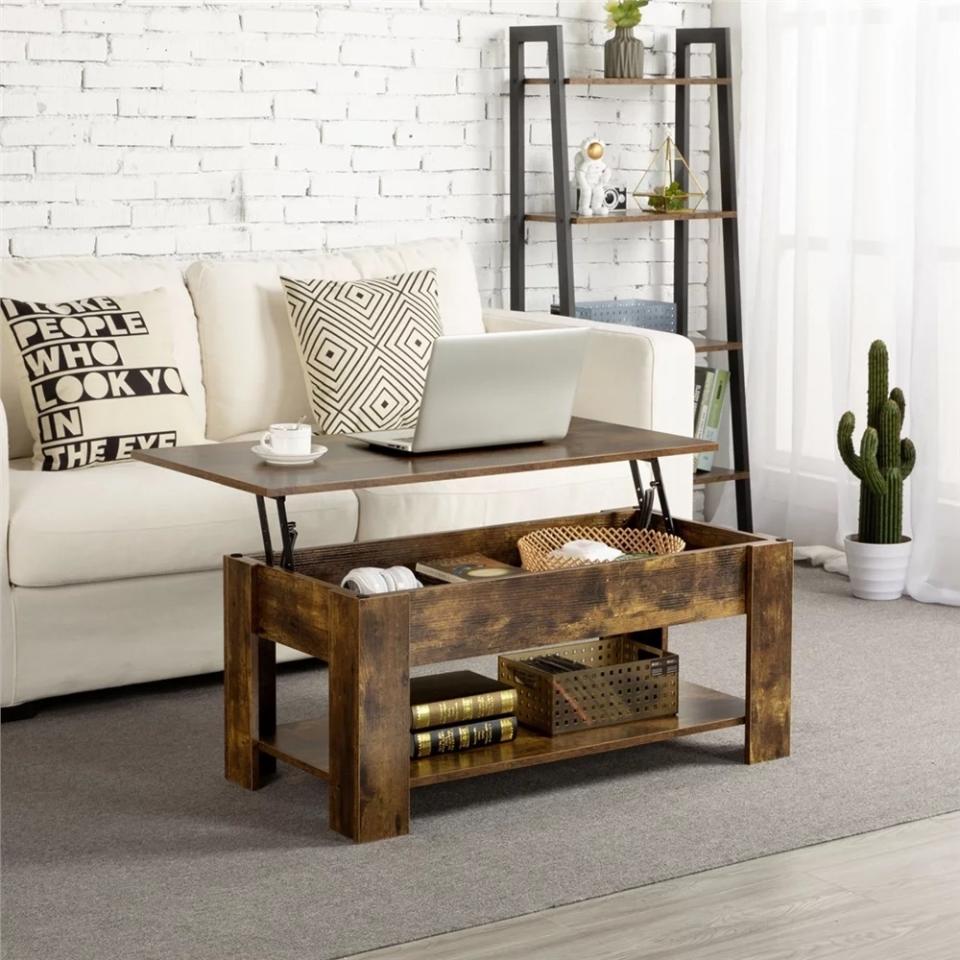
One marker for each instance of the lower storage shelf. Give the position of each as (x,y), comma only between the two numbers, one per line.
(305,743)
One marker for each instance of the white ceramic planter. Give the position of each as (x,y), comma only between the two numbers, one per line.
(878,571)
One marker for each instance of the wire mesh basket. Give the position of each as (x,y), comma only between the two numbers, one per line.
(624,680)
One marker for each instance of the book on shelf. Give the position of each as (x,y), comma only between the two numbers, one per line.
(443,699)
(711,429)
(473,566)
(703,378)
(426,743)
(697,391)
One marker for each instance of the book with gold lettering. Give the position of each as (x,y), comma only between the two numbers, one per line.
(473,566)
(461,696)
(425,743)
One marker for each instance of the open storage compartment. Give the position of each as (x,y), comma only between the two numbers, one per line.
(331,563)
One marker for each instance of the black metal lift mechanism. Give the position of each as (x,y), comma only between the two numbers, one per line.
(288,528)
(288,532)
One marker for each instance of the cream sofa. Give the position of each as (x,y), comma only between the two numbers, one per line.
(111,574)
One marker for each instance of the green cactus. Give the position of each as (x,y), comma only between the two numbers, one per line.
(885,460)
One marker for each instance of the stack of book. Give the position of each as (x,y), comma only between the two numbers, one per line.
(459,710)
(709,398)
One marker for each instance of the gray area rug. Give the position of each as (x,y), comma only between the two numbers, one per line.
(122,840)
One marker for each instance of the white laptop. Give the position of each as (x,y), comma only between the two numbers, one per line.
(494,389)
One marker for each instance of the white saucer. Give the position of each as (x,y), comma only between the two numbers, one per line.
(289,459)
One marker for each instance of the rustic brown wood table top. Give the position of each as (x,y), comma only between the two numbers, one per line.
(350,463)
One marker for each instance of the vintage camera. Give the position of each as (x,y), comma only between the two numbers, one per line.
(615,198)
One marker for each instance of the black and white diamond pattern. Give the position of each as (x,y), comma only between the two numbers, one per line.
(365,347)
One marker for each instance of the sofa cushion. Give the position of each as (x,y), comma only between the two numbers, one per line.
(365,346)
(483,501)
(132,519)
(55,280)
(98,378)
(251,367)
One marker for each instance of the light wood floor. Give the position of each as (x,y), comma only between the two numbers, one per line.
(889,895)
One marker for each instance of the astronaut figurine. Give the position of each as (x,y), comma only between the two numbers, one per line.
(592,177)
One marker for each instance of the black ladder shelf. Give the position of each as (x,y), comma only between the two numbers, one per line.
(565,219)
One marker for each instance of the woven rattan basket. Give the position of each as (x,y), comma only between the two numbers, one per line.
(535,547)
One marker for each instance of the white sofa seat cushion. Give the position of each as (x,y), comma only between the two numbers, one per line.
(251,365)
(484,501)
(55,281)
(132,519)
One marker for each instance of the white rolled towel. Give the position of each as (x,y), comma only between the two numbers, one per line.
(592,550)
(370,580)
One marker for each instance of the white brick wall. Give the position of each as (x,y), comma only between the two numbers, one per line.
(171,128)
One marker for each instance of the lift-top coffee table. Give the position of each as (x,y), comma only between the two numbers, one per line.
(369,643)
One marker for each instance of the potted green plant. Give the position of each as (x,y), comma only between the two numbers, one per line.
(623,52)
(877,555)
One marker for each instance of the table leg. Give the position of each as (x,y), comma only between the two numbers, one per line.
(769,600)
(370,718)
(249,680)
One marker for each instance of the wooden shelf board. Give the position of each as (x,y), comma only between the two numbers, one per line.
(638,217)
(719,475)
(701,345)
(305,743)
(633,81)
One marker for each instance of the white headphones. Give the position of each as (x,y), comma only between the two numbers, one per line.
(368,580)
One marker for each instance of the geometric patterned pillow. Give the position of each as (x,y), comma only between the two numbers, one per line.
(98,378)
(365,346)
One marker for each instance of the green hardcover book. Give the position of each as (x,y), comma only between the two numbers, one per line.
(425,743)
(711,430)
(704,376)
(442,699)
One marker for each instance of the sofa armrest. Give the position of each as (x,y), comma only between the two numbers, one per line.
(633,376)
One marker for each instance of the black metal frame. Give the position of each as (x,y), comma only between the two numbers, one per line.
(719,37)
(660,488)
(288,533)
(552,36)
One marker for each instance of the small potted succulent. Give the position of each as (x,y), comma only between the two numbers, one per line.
(671,197)
(877,555)
(623,52)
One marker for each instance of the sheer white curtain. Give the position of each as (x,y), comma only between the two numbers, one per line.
(849,179)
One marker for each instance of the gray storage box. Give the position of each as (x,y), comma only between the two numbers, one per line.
(650,314)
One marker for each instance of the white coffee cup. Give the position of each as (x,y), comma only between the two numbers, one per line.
(288,438)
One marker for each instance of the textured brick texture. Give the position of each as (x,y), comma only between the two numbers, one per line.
(178,129)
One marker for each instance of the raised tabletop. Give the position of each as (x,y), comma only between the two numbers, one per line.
(349,463)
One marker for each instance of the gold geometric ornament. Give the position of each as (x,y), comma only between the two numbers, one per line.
(659,189)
